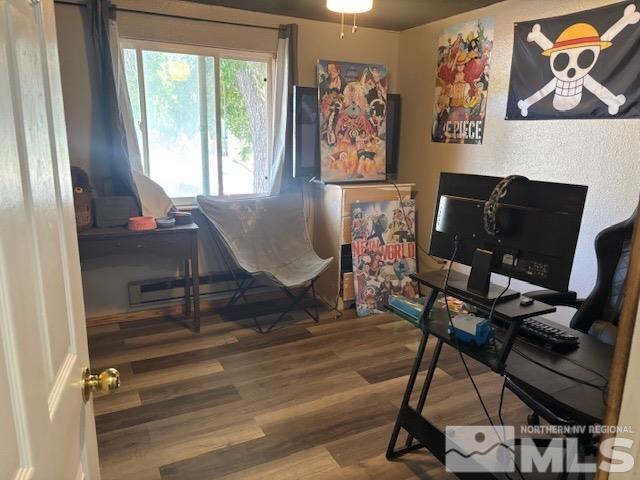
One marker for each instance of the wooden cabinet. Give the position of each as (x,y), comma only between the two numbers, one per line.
(331,229)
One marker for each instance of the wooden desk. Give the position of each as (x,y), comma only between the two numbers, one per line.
(180,242)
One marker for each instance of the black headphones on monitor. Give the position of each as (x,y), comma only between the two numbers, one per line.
(491,206)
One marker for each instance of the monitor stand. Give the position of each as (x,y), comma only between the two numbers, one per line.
(479,286)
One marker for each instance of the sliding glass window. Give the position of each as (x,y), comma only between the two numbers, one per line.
(202,117)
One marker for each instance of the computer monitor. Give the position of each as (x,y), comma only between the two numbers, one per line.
(306,133)
(536,231)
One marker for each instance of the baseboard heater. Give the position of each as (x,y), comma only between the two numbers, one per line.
(171,289)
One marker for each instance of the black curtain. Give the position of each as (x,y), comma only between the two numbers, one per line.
(110,167)
(290,31)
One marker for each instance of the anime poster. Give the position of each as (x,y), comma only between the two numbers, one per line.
(582,65)
(352,103)
(383,247)
(462,82)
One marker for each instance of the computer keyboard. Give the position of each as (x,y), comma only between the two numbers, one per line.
(547,335)
(540,332)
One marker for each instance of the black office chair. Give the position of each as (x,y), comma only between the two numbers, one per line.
(598,314)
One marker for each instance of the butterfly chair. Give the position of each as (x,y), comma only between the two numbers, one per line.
(266,237)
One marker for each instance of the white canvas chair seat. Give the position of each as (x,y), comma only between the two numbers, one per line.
(267,236)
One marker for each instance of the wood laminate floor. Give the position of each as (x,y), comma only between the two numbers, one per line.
(307,401)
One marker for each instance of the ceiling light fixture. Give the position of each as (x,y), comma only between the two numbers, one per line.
(349,6)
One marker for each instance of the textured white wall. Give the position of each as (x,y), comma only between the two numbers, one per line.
(603,154)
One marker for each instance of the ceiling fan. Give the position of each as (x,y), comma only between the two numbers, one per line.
(349,7)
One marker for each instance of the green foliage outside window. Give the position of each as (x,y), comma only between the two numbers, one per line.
(173,102)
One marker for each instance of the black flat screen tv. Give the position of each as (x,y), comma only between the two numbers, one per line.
(306,133)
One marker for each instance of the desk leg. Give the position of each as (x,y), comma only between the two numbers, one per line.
(195,272)
(407,396)
(427,384)
(187,289)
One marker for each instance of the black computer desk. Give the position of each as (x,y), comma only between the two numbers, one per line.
(581,404)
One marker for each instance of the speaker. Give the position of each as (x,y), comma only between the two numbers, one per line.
(306,133)
(394,115)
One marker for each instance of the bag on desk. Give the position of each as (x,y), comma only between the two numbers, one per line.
(114,211)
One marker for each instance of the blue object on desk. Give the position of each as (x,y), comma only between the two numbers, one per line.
(411,308)
(471,329)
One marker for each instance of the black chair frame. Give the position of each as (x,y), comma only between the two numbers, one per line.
(244,281)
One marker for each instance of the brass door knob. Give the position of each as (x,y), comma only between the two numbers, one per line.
(106,381)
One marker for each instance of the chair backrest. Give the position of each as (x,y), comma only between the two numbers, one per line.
(613,252)
(266,235)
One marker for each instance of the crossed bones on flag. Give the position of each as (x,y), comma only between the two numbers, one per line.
(572,56)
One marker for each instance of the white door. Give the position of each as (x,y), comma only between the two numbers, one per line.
(46,430)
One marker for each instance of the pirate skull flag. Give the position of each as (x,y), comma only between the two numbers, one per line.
(583,65)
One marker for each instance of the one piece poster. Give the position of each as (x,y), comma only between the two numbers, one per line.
(462,82)
(383,247)
(582,65)
(353,104)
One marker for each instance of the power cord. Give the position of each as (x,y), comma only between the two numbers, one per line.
(505,290)
(455,339)
(464,362)
(335,307)
(604,388)
(504,387)
(526,357)
(439,261)
(497,300)
(504,383)
(493,306)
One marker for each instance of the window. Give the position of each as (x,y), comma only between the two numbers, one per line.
(202,117)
